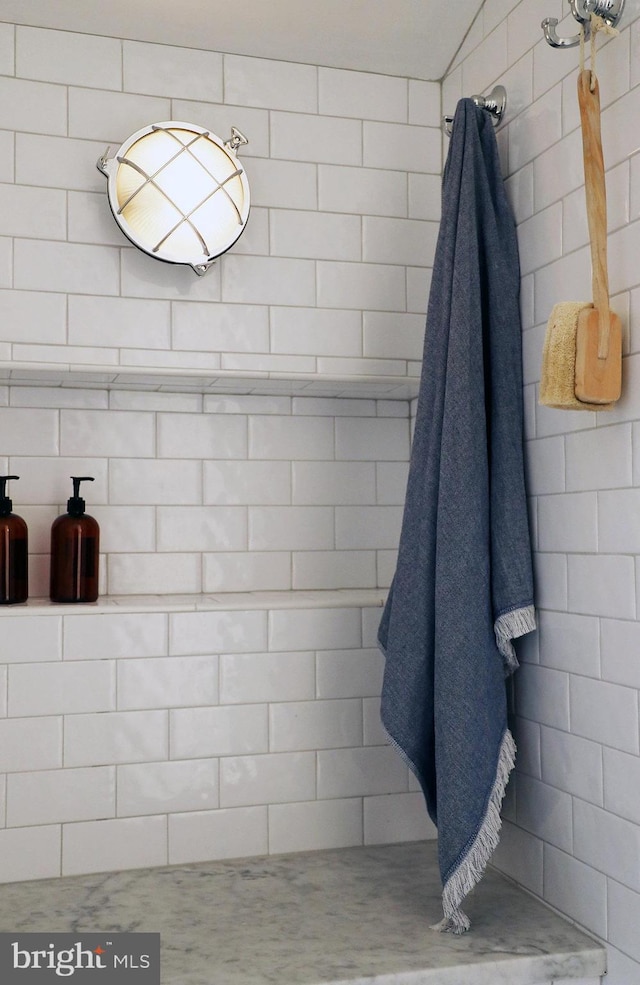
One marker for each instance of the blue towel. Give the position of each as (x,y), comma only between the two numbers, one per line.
(463,586)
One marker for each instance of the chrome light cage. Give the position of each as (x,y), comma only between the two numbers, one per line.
(222,186)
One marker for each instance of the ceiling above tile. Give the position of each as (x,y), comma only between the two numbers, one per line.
(414,38)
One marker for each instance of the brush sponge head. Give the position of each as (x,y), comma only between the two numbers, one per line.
(558,379)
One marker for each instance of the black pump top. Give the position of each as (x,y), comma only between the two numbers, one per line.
(5,503)
(76,504)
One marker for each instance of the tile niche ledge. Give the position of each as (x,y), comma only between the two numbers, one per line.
(210,382)
(343,598)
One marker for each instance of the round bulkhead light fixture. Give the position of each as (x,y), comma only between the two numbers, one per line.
(178,192)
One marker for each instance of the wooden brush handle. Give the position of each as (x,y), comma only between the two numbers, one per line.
(596,196)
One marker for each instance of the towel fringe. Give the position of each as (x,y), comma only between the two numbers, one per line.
(471,868)
(510,625)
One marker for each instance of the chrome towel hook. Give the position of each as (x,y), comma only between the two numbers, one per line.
(609,10)
(495,104)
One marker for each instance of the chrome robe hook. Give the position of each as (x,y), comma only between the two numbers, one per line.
(609,10)
(495,104)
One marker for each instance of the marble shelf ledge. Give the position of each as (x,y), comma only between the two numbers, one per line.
(169,380)
(354,916)
(342,598)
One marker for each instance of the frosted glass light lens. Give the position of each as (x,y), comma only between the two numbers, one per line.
(179,193)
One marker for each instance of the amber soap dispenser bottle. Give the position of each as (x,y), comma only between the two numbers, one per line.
(13,550)
(75,551)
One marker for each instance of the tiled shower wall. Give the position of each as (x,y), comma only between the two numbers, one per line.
(212,493)
(146,735)
(200,492)
(573,835)
(330,276)
(141,733)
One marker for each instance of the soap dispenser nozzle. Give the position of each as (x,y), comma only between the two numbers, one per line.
(6,505)
(76,504)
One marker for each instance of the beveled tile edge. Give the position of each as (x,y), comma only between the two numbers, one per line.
(346,598)
(218,381)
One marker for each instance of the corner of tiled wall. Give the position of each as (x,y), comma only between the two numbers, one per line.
(573,814)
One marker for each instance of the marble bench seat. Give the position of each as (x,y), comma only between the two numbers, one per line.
(354,916)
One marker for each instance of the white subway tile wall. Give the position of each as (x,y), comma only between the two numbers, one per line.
(198,493)
(574,835)
(146,736)
(160,736)
(344,171)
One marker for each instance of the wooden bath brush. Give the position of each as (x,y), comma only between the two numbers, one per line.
(598,368)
